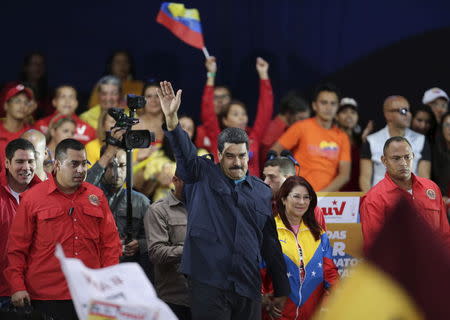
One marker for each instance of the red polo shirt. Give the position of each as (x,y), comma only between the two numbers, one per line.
(82,222)
(8,208)
(383,198)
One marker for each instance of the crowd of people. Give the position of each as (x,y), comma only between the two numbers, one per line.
(225,221)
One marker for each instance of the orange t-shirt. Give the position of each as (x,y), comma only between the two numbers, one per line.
(317,150)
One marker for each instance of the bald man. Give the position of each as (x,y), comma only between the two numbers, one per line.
(397,113)
(38,140)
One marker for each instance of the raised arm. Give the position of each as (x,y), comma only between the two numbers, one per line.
(265,101)
(208,113)
(184,150)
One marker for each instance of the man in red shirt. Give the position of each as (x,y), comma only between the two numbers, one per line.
(399,182)
(65,103)
(17,103)
(17,176)
(64,209)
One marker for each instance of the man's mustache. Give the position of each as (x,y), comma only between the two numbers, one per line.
(236,168)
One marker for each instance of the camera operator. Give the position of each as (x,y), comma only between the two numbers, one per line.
(109,174)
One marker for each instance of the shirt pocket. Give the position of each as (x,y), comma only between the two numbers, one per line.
(432,215)
(49,225)
(177,230)
(92,218)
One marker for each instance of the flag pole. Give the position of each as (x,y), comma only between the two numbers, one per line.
(205,52)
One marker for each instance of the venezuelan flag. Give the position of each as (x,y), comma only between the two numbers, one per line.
(182,22)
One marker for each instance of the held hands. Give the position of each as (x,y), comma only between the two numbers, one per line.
(262,66)
(131,248)
(273,305)
(170,103)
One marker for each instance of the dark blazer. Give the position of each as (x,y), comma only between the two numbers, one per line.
(230,225)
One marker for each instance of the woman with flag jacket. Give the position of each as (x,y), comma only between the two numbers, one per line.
(306,250)
(234,114)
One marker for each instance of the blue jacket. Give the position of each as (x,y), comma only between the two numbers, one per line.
(230,226)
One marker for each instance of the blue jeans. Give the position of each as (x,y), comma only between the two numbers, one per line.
(5,302)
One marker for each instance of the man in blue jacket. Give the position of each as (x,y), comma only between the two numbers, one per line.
(230,226)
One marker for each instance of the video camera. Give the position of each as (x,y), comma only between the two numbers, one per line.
(132,139)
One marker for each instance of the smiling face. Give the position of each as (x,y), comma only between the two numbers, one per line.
(153,105)
(234,160)
(297,202)
(236,117)
(64,131)
(65,101)
(347,118)
(21,169)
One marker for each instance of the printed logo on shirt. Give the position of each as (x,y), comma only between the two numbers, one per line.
(431,194)
(326,149)
(93,199)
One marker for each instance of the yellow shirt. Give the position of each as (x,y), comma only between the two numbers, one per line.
(91,116)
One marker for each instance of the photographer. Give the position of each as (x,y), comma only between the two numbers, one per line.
(109,174)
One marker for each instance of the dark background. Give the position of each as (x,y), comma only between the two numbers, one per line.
(370,49)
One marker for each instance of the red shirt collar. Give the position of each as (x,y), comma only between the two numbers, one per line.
(391,185)
(52,186)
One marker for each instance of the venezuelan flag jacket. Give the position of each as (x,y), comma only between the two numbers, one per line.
(320,272)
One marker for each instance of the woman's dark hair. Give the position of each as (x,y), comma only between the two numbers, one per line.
(41,90)
(226,109)
(433,124)
(148,84)
(308,218)
(108,67)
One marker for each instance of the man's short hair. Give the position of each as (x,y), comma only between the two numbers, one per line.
(287,167)
(325,87)
(18,144)
(63,146)
(58,88)
(109,79)
(232,135)
(395,139)
(292,103)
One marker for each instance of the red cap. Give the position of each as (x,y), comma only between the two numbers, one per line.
(13,89)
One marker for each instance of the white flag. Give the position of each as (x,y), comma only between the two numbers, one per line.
(120,292)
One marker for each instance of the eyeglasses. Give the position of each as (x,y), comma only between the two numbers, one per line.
(402,111)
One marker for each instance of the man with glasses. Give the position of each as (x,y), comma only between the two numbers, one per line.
(437,99)
(398,182)
(16,101)
(398,119)
(17,177)
(66,210)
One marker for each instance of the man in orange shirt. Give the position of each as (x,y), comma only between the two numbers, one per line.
(322,149)
(64,209)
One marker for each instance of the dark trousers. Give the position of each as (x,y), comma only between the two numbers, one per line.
(209,302)
(182,312)
(58,309)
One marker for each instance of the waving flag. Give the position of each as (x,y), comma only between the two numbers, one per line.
(182,22)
